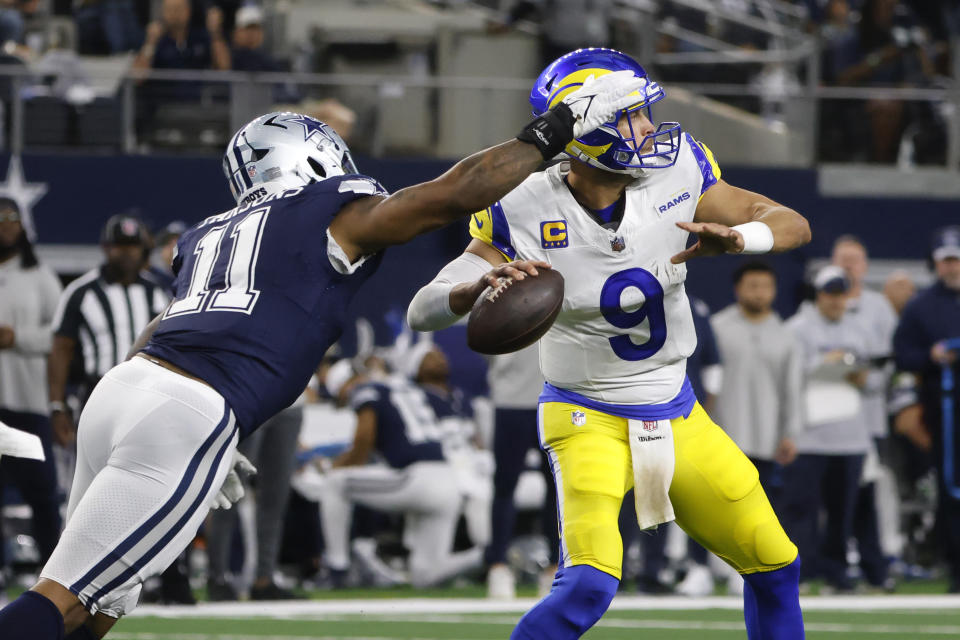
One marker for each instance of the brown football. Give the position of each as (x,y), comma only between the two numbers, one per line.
(516,314)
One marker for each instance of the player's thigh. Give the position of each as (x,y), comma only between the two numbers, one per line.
(144,506)
(590,458)
(718,499)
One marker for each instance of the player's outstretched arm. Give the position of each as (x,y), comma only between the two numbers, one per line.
(733,220)
(370,224)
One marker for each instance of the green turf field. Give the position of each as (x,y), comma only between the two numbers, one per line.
(851,618)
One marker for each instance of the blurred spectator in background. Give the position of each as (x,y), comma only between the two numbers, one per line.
(106,27)
(878,489)
(29,292)
(899,287)
(759,400)
(929,319)
(171,43)
(515,385)
(274,456)
(834,442)
(400,422)
(892,49)
(565,25)
(166,242)
(248,53)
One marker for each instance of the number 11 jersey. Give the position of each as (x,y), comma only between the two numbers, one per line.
(262,292)
(625,327)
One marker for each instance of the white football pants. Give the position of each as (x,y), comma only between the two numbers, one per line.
(153,449)
(428,496)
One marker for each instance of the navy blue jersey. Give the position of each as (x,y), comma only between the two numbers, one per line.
(411,423)
(258,301)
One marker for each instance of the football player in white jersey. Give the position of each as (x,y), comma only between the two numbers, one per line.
(617,410)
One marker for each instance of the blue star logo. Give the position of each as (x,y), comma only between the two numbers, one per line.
(311,126)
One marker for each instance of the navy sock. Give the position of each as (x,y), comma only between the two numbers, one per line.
(83,632)
(750,612)
(31,617)
(580,595)
(774,613)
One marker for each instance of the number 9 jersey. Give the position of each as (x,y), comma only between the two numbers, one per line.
(625,328)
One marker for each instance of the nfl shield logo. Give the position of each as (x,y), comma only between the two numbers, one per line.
(251,170)
(649,425)
(618,244)
(578,418)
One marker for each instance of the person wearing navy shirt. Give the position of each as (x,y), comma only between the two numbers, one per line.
(261,295)
(406,425)
(929,319)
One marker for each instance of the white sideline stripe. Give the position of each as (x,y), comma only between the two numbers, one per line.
(321,608)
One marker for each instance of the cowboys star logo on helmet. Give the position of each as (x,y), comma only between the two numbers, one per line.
(283,150)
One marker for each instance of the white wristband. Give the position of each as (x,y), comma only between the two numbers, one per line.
(757,237)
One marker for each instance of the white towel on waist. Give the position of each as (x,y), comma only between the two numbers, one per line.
(651,447)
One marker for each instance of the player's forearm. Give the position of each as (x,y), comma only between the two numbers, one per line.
(58,365)
(790,229)
(485,177)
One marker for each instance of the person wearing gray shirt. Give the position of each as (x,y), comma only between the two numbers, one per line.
(29,292)
(878,489)
(835,439)
(759,397)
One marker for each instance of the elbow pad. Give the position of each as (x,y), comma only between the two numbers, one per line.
(430,308)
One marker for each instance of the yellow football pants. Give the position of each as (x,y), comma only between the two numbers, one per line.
(716,492)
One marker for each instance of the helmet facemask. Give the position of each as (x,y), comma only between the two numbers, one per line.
(607,148)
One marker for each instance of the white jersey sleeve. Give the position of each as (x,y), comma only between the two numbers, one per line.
(625,328)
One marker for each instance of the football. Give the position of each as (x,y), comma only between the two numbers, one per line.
(516,313)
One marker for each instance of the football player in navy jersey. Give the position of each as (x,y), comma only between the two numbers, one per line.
(408,426)
(261,293)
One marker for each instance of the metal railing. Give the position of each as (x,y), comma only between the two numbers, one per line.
(230,102)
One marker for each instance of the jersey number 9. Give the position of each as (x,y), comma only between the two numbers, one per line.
(651,310)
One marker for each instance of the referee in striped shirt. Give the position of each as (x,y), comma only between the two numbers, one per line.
(99,316)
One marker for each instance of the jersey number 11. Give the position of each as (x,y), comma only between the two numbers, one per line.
(238,292)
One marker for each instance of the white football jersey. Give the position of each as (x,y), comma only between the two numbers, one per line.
(625,328)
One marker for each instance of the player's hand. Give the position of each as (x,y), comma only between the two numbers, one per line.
(858,378)
(601,97)
(7,337)
(231,491)
(786,452)
(64,431)
(941,355)
(712,240)
(464,295)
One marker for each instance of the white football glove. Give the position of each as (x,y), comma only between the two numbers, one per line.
(601,97)
(231,491)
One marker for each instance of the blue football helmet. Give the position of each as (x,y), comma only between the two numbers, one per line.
(606,147)
(283,150)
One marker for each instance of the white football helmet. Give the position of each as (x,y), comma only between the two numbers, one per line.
(283,150)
